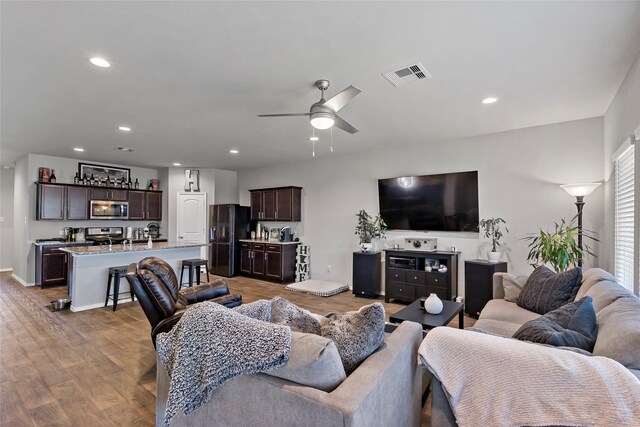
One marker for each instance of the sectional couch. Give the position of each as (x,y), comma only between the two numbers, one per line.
(618,318)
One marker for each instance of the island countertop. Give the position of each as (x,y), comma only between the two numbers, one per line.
(120,248)
(274,242)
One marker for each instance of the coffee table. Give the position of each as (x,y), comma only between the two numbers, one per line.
(414,313)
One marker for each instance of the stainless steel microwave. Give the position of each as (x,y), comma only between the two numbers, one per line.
(106,209)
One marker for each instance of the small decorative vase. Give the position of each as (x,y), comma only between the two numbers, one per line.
(495,256)
(433,305)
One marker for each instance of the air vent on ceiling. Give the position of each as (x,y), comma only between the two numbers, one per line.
(408,74)
(126,149)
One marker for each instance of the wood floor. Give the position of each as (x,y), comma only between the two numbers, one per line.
(97,367)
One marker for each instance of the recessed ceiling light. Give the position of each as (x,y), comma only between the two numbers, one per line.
(78,149)
(124,128)
(233,151)
(489,100)
(177,164)
(313,138)
(100,62)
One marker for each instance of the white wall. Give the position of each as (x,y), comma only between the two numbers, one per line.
(519,173)
(622,117)
(6,219)
(26,174)
(221,186)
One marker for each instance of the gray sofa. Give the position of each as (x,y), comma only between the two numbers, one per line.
(617,313)
(384,390)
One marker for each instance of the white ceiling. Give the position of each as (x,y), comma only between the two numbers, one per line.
(190,77)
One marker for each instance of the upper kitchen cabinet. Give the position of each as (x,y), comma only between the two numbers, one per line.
(50,202)
(77,203)
(153,204)
(137,204)
(276,204)
(145,205)
(109,194)
(71,202)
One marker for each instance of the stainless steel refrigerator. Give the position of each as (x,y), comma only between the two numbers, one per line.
(227,224)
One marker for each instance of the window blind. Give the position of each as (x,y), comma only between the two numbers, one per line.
(624,220)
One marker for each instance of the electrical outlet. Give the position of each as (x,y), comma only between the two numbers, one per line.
(328,268)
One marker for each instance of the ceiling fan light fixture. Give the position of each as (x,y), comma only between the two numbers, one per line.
(322,120)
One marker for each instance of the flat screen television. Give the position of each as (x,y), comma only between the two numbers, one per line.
(443,202)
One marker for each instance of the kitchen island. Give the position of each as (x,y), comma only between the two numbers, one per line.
(88,268)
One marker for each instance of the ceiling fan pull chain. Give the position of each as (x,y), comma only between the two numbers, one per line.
(331,128)
(313,148)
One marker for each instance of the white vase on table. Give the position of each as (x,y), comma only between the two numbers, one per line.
(433,305)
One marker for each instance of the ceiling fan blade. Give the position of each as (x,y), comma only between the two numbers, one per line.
(342,99)
(342,124)
(284,115)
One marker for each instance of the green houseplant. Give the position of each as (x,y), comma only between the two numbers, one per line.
(558,248)
(493,230)
(368,228)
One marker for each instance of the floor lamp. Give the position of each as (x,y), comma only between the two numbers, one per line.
(579,191)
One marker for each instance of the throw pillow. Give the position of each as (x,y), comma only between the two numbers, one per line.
(260,310)
(356,334)
(545,290)
(512,286)
(285,313)
(572,325)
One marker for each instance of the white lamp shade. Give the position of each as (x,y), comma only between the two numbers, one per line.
(580,190)
(322,121)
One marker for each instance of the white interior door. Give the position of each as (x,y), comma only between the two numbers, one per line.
(192,217)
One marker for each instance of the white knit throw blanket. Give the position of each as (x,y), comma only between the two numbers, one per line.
(494,381)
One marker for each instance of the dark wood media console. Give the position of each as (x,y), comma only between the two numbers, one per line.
(407,280)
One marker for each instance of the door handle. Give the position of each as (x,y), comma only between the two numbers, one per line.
(180,237)
(265,256)
(276,214)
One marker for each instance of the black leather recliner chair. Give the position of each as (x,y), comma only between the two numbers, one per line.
(155,284)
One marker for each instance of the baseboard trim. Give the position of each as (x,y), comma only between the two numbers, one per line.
(22,282)
(98,305)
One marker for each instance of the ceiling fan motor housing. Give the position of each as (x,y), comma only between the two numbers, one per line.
(321,117)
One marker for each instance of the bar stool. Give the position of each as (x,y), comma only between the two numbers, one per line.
(192,264)
(116,273)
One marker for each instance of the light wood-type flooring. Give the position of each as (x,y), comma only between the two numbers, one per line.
(97,367)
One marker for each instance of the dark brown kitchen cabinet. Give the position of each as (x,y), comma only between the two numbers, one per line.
(77,203)
(59,201)
(54,267)
(153,201)
(276,204)
(50,202)
(109,194)
(268,261)
(137,204)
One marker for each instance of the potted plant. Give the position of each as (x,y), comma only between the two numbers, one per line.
(493,230)
(559,248)
(368,228)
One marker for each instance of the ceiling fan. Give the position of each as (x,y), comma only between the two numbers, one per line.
(322,114)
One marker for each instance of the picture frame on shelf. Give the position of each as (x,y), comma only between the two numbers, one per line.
(102,172)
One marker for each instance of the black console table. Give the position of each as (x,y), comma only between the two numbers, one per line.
(407,280)
(478,284)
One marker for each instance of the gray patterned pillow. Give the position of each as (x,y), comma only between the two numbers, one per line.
(545,290)
(356,334)
(299,320)
(572,325)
